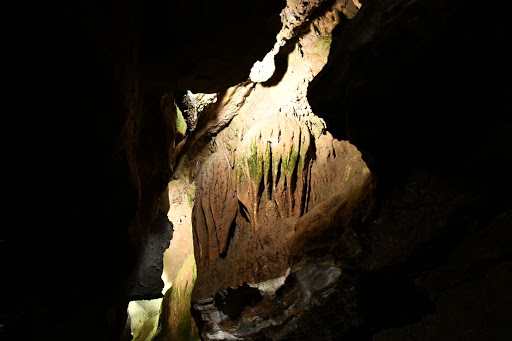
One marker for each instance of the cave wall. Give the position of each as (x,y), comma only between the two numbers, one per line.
(421,89)
(87,157)
(278,199)
(69,251)
(88,149)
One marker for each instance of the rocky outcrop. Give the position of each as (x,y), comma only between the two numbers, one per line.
(274,201)
(280,225)
(94,131)
(175,322)
(298,16)
(216,206)
(181,201)
(146,280)
(272,167)
(90,151)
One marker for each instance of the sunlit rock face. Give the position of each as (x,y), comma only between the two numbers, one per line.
(168,318)
(277,196)
(175,322)
(181,200)
(274,263)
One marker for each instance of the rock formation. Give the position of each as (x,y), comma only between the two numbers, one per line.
(275,198)
(85,86)
(175,322)
(294,238)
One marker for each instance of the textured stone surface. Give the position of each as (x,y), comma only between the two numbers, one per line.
(88,150)
(429,202)
(181,201)
(215,206)
(175,322)
(290,195)
(146,280)
(272,161)
(404,99)
(245,215)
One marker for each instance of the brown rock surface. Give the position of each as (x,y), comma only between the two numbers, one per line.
(215,209)
(90,150)
(295,192)
(175,322)
(181,201)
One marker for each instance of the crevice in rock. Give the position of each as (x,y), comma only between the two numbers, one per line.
(232,301)
(231,234)
(244,212)
(153,109)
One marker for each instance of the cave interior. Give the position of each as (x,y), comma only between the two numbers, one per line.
(268,170)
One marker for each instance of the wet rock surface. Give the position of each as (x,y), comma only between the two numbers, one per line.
(305,288)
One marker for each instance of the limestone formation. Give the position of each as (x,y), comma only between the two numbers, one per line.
(273,161)
(175,321)
(418,249)
(215,209)
(273,200)
(144,317)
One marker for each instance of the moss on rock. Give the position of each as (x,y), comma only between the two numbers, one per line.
(181,125)
(176,323)
(255,163)
(289,161)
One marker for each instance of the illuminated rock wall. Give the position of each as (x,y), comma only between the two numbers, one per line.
(277,195)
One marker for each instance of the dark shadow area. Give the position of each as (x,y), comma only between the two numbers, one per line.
(146,282)
(281,64)
(232,301)
(388,299)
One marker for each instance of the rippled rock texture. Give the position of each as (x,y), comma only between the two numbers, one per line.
(278,196)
